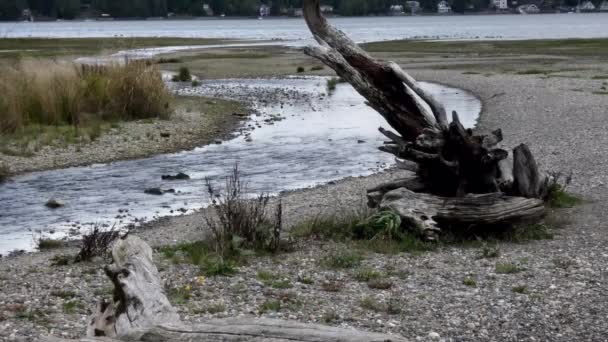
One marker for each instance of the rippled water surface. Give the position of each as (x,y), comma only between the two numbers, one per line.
(590,25)
(319,140)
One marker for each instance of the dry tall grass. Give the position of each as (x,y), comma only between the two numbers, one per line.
(55,93)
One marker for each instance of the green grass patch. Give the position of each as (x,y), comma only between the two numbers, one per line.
(64,294)
(559,198)
(270,305)
(300,70)
(380,284)
(532,72)
(273,280)
(341,259)
(521,289)
(72,306)
(332,83)
(46,244)
(600,77)
(367,274)
(470,282)
(507,268)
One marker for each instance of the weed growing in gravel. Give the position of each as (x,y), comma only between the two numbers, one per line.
(380,284)
(305,280)
(300,70)
(218,267)
(183,75)
(332,286)
(273,280)
(521,289)
(270,305)
(489,252)
(180,295)
(342,259)
(507,268)
(369,303)
(367,274)
(558,197)
(563,262)
(215,308)
(537,231)
(468,281)
(240,223)
(332,83)
(61,260)
(96,243)
(64,294)
(46,244)
(72,306)
(329,317)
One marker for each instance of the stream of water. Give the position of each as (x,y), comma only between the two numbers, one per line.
(320,139)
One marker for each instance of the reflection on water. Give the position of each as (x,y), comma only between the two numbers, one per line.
(319,140)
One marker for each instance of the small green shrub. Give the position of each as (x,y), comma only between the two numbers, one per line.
(384,225)
(369,303)
(180,295)
(332,83)
(380,284)
(329,317)
(61,260)
(218,267)
(46,244)
(521,289)
(215,308)
(72,306)
(468,281)
(537,231)
(300,69)
(196,83)
(489,252)
(367,274)
(270,305)
(559,198)
(507,268)
(342,259)
(183,75)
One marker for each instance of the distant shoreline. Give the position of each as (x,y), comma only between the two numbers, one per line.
(188,18)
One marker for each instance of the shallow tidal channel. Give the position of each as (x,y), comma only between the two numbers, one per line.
(291,144)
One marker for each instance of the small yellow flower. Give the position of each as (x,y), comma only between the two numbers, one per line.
(188,287)
(201,280)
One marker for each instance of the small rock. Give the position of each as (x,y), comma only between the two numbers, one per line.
(360,141)
(53,204)
(153,191)
(433,336)
(179,176)
(165,134)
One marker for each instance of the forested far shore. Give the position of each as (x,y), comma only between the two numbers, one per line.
(83,9)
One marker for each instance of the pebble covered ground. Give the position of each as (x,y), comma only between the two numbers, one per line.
(548,290)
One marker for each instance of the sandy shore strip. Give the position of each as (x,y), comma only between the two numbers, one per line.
(559,292)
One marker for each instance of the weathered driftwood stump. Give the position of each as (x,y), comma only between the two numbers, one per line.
(140,311)
(450,162)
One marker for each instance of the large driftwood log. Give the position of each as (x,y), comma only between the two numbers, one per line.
(427,213)
(140,311)
(451,161)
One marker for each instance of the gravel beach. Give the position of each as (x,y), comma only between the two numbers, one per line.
(557,292)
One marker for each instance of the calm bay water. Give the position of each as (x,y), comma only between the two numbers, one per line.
(545,26)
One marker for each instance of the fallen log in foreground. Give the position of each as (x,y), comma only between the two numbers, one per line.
(140,311)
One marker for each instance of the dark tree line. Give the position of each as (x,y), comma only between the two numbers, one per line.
(69,9)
